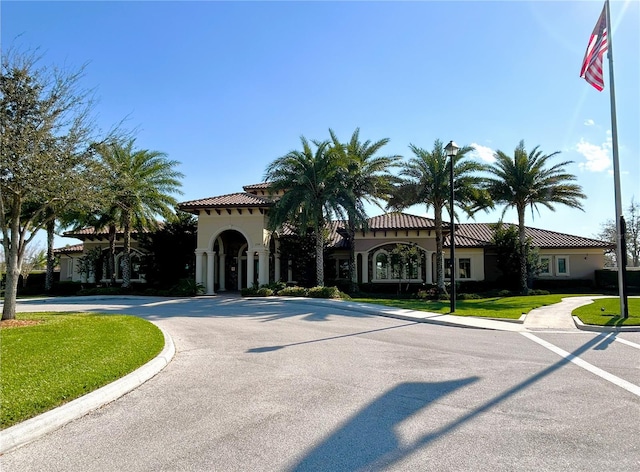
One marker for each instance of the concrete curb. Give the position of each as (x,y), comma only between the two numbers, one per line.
(33,428)
(605,329)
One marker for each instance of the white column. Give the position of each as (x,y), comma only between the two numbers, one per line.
(250,271)
(211,258)
(263,266)
(365,267)
(289,271)
(199,256)
(221,273)
(428,269)
(277,268)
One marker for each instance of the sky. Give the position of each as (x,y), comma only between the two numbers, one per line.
(225,88)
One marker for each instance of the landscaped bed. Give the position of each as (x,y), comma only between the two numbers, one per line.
(49,359)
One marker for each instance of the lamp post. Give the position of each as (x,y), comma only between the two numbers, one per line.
(451,150)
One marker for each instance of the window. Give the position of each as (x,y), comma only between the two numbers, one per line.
(562,265)
(464,268)
(387,267)
(545,265)
(343,268)
(382,266)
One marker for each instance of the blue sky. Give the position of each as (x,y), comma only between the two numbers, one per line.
(227,87)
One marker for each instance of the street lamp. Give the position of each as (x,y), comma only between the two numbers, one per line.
(451,150)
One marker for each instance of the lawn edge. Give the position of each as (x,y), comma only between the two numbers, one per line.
(33,428)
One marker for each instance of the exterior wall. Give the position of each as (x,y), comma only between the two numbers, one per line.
(252,225)
(69,262)
(476,258)
(69,267)
(426,239)
(582,263)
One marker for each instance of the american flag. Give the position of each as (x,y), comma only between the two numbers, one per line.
(598,44)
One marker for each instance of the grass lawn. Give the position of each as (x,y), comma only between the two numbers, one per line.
(504,307)
(49,359)
(594,315)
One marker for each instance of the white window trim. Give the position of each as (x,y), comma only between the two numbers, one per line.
(567,266)
(549,265)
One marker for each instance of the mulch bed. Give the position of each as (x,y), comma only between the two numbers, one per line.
(18,323)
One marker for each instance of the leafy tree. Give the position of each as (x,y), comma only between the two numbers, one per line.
(300,250)
(426,179)
(314,192)
(525,180)
(171,251)
(507,243)
(141,184)
(608,232)
(367,179)
(402,258)
(45,159)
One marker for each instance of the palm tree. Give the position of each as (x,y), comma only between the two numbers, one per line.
(426,180)
(525,180)
(367,178)
(141,184)
(312,185)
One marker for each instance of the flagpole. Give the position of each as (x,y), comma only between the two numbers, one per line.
(620,257)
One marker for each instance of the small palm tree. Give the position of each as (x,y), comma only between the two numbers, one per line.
(367,179)
(526,180)
(141,183)
(311,181)
(426,179)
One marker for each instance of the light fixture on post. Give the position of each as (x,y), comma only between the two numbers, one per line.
(451,150)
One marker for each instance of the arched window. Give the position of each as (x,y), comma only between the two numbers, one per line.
(389,265)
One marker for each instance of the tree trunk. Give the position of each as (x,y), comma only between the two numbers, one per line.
(14,250)
(48,281)
(319,257)
(111,262)
(353,281)
(126,259)
(522,255)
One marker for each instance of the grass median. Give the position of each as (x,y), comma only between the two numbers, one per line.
(606,312)
(515,307)
(49,359)
(495,307)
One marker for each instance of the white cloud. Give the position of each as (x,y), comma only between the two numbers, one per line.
(482,152)
(597,157)
(589,122)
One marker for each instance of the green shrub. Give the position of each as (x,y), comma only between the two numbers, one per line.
(101,291)
(325,292)
(468,296)
(504,293)
(275,286)
(186,288)
(264,292)
(539,292)
(293,292)
(249,292)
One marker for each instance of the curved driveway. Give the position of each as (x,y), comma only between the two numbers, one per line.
(297,385)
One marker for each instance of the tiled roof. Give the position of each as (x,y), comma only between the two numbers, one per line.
(69,249)
(260,186)
(89,231)
(480,235)
(397,220)
(242,199)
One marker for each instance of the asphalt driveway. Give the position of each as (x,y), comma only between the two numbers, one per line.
(292,385)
